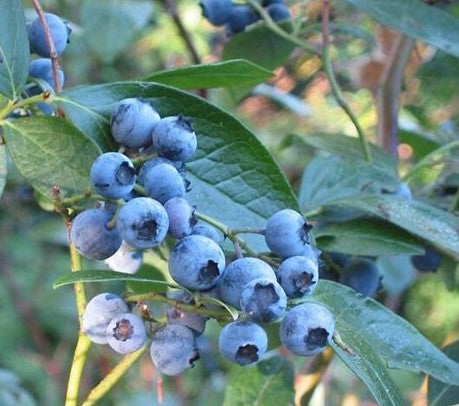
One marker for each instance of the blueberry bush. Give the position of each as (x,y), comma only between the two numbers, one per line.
(273,223)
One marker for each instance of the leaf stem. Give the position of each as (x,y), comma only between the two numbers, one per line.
(44,97)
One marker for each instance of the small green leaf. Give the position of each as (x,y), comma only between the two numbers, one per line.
(270,382)
(49,152)
(232,73)
(213,301)
(151,273)
(3,168)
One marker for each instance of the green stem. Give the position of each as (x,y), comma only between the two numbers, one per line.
(455,203)
(11,106)
(236,231)
(140,190)
(139,160)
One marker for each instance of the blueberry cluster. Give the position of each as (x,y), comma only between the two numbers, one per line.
(236,17)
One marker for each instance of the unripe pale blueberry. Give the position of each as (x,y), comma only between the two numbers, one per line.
(196,262)
(163,182)
(363,276)
(37,37)
(175,315)
(153,162)
(132,121)
(217,12)
(142,223)
(126,333)
(174,138)
(243,342)
(241,16)
(99,311)
(113,175)
(91,236)
(207,231)
(287,233)
(173,349)
(42,68)
(181,217)
(307,329)
(264,300)
(278,12)
(429,262)
(125,260)
(238,274)
(298,276)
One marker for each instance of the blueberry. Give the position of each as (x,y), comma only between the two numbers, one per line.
(263,299)
(91,236)
(266,3)
(217,12)
(153,162)
(174,138)
(173,349)
(126,333)
(100,310)
(125,260)
(163,182)
(238,274)
(404,192)
(174,315)
(42,68)
(363,276)
(340,260)
(196,262)
(207,231)
(241,16)
(429,262)
(278,12)
(298,276)
(243,342)
(287,233)
(37,38)
(181,217)
(132,122)
(142,223)
(113,175)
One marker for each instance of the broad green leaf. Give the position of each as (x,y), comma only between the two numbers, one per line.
(232,73)
(148,272)
(14,48)
(417,20)
(3,168)
(434,225)
(233,177)
(50,152)
(366,237)
(270,382)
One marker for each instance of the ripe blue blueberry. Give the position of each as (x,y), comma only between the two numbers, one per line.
(153,162)
(175,315)
(142,223)
(264,300)
(243,342)
(113,175)
(404,192)
(91,236)
(173,349)
(287,233)
(363,276)
(217,12)
(132,121)
(207,231)
(125,260)
(238,274)
(126,333)
(241,16)
(307,329)
(181,217)
(429,262)
(266,3)
(196,262)
(99,311)
(37,38)
(174,138)
(42,68)
(278,12)
(298,276)
(163,182)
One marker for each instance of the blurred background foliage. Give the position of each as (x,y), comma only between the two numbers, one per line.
(130,39)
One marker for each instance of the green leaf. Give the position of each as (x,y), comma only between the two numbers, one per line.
(3,168)
(398,273)
(270,382)
(366,237)
(417,20)
(213,301)
(425,221)
(232,73)
(439,393)
(101,275)
(50,152)
(14,48)
(148,272)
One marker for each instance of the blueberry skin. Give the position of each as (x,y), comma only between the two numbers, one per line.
(125,260)
(196,262)
(163,182)
(91,236)
(37,38)
(173,349)
(113,175)
(100,310)
(126,333)
(307,329)
(241,16)
(287,233)
(429,262)
(404,192)
(264,300)
(195,322)
(142,223)
(42,68)
(363,276)
(266,3)
(298,276)
(151,163)
(207,231)
(181,217)
(174,138)
(217,12)
(243,343)
(132,122)
(238,274)
(278,12)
